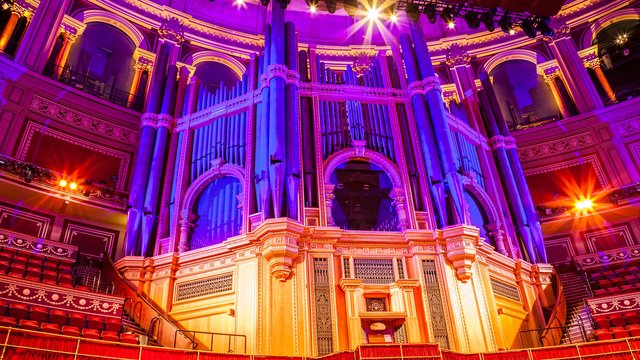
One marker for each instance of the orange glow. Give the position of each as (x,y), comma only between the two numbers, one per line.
(584,205)
(73,186)
(62,183)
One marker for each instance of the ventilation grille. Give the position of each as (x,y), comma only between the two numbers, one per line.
(435,303)
(374,271)
(505,290)
(324,328)
(213,285)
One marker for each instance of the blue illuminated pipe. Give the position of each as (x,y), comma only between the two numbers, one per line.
(261,151)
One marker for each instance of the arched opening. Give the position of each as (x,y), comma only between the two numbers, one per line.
(478,216)
(619,52)
(102,61)
(211,74)
(218,216)
(362,200)
(522,94)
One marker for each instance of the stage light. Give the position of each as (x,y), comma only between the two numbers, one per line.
(239,2)
(621,39)
(471,17)
(313,8)
(413,12)
(264,2)
(487,19)
(451,24)
(528,28)
(543,26)
(447,15)
(373,14)
(393,18)
(73,186)
(351,7)
(512,31)
(506,25)
(430,11)
(584,204)
(62,183)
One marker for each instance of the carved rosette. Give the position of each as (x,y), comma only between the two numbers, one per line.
(460,243)
(279,239)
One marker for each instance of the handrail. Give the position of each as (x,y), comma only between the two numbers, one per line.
(558,317)
(155,321)
(194,342)
(149,310)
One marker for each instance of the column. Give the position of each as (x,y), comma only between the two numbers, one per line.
(10,26)
(61,59)
(459,62)
(550,79)
(594,63)
(142,65)
(186,225)
(41,34)
(329,196)
(353,295)
(579,83)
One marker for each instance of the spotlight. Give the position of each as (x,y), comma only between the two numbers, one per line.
(512,31)
(264,2)
(471,17)
(331,6)
(239,2)
(312,8)
(350,6)
(451,24)
(447,15)
(506,25)
(373,14)
(73,186)
(544,28)
(584,204)
(413,12)
(62,183)
(430,11)
(528,28)
(393,18)
(487,19)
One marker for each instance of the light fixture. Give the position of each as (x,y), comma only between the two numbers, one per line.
(528,28)
(62,183)
(471,17)
(413,12)
(451,24)
(512,31)
(622,38)
(584,204)
(239,2)
(506,25)
(430,11)
(373,13)
(543,26)
(331,6)
(393,18)
(264,2)
(73,185)
(487,19)
(447,15)
(313,8)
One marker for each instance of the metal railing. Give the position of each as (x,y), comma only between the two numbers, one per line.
(565,330)
(194,341)
(93,86)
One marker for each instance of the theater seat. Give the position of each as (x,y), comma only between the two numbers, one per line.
(70,331)
(4,265)
(77,320)
(50,328)
(38,313)
(3,307)
(632,317)
(110,336)
(95,322)
(18,310)
(29,325)
(112,324)
(91,333)
(603,323)
(129,339)
(619,333)
(7,321)
(600,293)
(58,317)
(618,320)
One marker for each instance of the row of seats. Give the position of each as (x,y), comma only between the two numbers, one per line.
(617,320)
(69,330)
(618,281)
(616,290)
(40,314)
(618,332)
(620,271)
(36,267)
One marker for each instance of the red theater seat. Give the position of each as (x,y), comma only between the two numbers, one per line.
(7,321)
(129,339)
(17,270)
(615,291)
(3,307)
(77,320)
(95,322)
(600,293)
(58,317)
(632,317)
(38,313)
(602,334)
(70,331)
(110,336)
(5,256)
(18,310)
(50,275)
(631,279)
(4,265)
(91,333)
(618,320)
(634,330)
(50,328)
(619,333)
(29,324)
(112,324)
(603,322)
(51,265)
(19,259)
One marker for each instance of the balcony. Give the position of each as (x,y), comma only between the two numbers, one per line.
(95,87)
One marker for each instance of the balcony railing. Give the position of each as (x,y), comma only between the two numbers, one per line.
(93,86)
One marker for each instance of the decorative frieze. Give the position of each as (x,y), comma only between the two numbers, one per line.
(203,287)
(615,304)
(39,246)
(608,257)
(76,119)
(374,271)
(509,291)
(560,146)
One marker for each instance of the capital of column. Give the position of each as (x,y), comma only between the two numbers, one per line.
(550,77)
(460,243)
(165,121)
(496,142)
(510,142)
(328,202)
(172,30)
(149,119)
(591,62)
(561,31)
(280,245)
(449,96)
(22,8)
(457,56)
(431,83)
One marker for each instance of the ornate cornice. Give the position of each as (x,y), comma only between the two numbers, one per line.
(85,122)
(560,146)
(457,56)
(172,30)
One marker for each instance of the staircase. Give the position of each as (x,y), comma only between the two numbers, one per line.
(576,290)
(130,326)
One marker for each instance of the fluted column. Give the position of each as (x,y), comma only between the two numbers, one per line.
(550,79)
(580,86)
(10,27)
(593,62)
(459,63)
(41,34)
